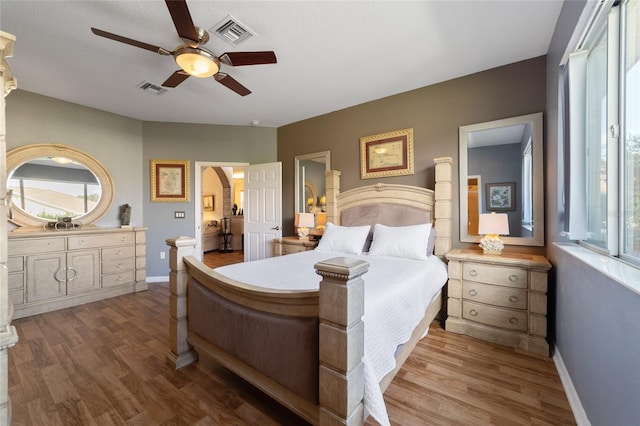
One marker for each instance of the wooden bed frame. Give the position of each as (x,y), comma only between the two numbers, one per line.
(338,306)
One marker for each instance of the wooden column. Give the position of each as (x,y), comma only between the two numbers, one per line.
(332,189)
(181,352)
(8,334)
(443,204)
(341,341)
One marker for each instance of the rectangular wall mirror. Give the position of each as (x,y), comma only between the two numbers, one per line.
(310,181)
(501,171)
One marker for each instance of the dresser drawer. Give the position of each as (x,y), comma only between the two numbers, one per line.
(15,264)
(16,297)
(116,266)
(104,240)
(113,280)
(497,317)
(35,245)
(16,280)
(494,295)
(115,253)
(492,274)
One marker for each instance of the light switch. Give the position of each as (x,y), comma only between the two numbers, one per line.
(179,215)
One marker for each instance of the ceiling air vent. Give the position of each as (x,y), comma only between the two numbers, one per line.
(152,88)
(232,31)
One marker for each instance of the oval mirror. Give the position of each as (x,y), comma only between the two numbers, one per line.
(52,181)
(501,171)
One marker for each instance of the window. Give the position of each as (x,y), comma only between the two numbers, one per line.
(605,120)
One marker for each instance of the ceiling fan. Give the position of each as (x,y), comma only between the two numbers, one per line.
(193,59)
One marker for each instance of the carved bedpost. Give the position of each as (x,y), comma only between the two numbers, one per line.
(332,188)
(8,334)
(341,341)
(181,352)
(443,207)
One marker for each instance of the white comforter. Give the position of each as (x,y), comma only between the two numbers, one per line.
(397,293)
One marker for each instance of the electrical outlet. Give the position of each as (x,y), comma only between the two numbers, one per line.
(162,255)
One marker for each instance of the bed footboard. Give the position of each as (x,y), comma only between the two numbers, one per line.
(337,308)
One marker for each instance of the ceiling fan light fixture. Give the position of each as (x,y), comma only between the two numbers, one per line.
(197,62)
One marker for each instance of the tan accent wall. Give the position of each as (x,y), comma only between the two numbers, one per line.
(434,112)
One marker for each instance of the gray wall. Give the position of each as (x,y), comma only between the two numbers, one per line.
(126,146)
(194,142)
(597,320)
(113,140)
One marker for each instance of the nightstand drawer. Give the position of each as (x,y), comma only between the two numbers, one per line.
(492,274)
(289,248)
(497,317)
(494,295)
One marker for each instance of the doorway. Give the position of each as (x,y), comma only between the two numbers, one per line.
(218,187)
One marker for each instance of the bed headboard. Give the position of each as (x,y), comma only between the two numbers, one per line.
(396,205)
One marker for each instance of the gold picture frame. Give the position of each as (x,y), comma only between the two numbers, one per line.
(386,154)
(170,181)
(207,203)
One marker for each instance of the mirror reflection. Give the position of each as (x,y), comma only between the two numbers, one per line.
(54,187)
(501,171)
(52,181)
(310,181)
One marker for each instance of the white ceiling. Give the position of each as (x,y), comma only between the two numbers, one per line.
(331,54)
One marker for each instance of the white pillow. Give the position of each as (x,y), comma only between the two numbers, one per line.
(343,239)
(409,242)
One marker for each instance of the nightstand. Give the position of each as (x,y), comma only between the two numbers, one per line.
(288,245)
(500,299)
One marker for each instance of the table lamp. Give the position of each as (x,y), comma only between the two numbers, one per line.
(303,222)
(321,220)
(492,225)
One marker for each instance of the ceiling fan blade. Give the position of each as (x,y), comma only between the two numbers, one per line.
(248,58)
(182,20)
(130,41)
(175,79)
(231,83)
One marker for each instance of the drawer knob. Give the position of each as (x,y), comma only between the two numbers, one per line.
(118,252)
(473,272)
(473,292)
(513,278)
(513,320)
(513,299)
(473,313)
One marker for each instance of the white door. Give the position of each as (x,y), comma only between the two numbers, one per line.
(262,210)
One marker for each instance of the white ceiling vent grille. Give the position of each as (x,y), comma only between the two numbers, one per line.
(152,88)
(232,31)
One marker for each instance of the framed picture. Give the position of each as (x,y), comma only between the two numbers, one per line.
(500,197)
(207,203)
(170,181)
(386,154)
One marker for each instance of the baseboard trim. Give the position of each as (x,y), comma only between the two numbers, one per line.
(158,279)
(570,390)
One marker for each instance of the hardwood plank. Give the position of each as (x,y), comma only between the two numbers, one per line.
(104,363)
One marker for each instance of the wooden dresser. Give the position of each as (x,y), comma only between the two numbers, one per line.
(501,299)
(51,270)
(288,245)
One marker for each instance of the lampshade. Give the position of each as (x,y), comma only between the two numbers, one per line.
(197,62)
(321,219)
(304,220)
(493,224)
(323,200)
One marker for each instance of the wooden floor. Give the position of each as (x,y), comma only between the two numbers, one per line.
(103,363)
